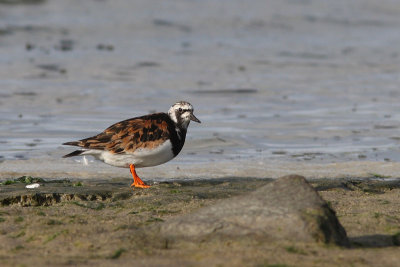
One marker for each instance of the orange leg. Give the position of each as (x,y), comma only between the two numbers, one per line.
(137,182)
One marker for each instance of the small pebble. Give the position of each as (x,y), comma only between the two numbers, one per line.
(31,186)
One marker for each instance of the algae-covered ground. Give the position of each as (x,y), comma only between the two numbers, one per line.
(103,223)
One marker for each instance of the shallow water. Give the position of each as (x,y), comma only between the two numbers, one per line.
(273,80)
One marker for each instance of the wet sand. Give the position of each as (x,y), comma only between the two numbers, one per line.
(291,81)
(75,169)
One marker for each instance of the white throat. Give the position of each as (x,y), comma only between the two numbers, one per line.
(172,115)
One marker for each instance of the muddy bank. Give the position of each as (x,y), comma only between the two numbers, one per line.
(82,229)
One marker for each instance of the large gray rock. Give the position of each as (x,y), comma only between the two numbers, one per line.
(286,209)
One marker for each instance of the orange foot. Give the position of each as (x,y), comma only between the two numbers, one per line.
(137,182)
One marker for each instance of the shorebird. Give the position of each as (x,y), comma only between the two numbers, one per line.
(139,142)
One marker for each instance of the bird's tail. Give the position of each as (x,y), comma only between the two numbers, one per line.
(75,153)
(73,143)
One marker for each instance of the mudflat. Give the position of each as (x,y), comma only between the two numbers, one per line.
(105,222)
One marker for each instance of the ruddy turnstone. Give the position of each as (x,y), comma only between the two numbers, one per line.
(139,142)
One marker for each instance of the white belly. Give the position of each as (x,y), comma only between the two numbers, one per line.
(140,158)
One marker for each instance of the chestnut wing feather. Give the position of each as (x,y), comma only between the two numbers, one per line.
(126,136)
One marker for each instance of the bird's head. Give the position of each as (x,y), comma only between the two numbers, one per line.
(182,113)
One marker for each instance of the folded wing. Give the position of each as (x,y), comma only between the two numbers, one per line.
(129,135)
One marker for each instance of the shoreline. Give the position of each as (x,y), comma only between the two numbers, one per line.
(50,168)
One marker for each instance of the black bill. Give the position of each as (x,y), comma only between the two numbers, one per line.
(193,118)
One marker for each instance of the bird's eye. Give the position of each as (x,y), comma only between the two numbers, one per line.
(180,109)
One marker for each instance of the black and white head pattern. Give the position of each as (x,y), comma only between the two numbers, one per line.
(181,113)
